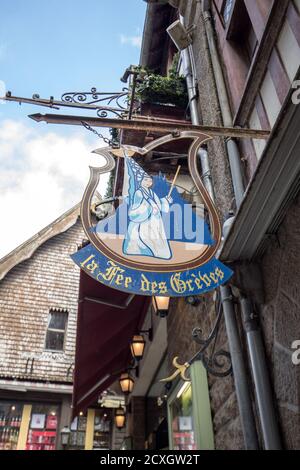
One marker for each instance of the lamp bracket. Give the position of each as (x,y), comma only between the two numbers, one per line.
(148,332)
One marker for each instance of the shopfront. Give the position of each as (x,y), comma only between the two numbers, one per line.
(91,431)
(37,425)
(189,414)
(28,426)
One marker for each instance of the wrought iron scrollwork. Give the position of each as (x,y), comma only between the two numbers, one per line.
(217,363)
(104,103)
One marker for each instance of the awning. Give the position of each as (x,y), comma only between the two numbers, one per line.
(107,320)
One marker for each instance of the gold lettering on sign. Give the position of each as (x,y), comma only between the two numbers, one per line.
(111,272)
(114,273)
(90,264)
(148,286)
(153,287)
(219,273)
(163,289)
(178,285)
(205,279)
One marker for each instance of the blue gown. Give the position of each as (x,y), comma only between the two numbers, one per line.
(146,234)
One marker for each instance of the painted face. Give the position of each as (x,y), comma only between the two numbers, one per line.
(147,182)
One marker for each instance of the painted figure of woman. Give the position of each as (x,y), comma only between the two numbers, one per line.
(146,233)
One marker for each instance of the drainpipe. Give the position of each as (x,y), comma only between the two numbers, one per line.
(238,365)
(232,147)
(193,105)
(239,371)
(263,389)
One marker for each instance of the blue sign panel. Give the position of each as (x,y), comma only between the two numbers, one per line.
(173,284)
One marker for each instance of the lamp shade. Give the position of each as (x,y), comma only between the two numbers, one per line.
(126,383)
(137,347)
(120,417)
(161,305)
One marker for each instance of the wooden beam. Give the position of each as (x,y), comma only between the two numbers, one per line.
(22,439)
(151,125)
(89,432)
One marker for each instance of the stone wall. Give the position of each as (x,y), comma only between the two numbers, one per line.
(280,321)
(183,317)
(209,109)
(48,279)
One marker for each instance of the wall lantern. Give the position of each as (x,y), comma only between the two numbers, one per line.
(65,436)
(137,347)
(126,383)
(138,343)
(161,305)
(120,417)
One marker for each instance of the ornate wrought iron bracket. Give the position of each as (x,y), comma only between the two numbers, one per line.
(104,103)
(120,104)
(217,363)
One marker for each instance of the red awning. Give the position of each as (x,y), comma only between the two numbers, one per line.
(107,320)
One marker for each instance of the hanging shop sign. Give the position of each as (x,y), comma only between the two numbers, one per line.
(156,242)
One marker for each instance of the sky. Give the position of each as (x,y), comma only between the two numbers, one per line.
(50,47)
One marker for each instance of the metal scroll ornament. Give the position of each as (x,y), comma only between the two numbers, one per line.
(154,243)
(106,104)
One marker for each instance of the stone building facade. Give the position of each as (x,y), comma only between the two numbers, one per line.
(266,269)
(280,321)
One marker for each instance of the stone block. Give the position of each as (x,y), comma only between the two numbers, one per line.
(286,377)
(230,436)
(267,326)
(226,413)
(290,425)
(287,321)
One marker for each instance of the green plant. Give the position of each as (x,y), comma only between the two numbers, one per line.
(115,135)
(154,88)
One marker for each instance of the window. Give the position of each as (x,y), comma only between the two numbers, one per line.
(240,32)
(227,9)
(10,423)
(55,336)
(189,413)
(43,427)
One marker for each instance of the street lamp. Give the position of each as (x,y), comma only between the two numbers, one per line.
(120,417)
(161,305)
(65,436)
(137,347)
(126,383)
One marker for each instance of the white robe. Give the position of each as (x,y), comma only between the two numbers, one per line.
(146,234)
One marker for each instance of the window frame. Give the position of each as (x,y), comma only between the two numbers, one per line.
(56,330)
(201,409)
(222,11)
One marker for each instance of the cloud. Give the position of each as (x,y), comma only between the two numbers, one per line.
(41,177)
(135,41)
